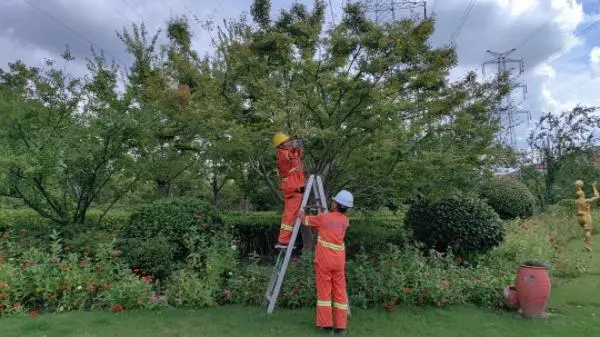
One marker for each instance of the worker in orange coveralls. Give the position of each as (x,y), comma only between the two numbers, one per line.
(330,263)
(291,175)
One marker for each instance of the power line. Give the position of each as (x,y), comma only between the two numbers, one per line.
(462,21)
(118,11)
(134,10)
(435,2)
(583,32)
(331,10)
(66,26)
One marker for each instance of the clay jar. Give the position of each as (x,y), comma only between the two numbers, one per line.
(533,286)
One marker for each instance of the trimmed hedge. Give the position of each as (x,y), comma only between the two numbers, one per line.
(257,231)
(464,224)
(509,197)
(34,230)
(154,238)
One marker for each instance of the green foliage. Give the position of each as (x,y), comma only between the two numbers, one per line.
(374,104)
(32,230)
(39,125)
(258,231)
(561,138)
(211,274)
(509,197)
(154,238)
(543,238)
(209,271)
(55,282)
(463,224)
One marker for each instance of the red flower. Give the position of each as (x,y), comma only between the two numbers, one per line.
(83,263)
(63,266)
(198,216)
(117,308)
(17,306)
(136,271)
(458,260)
(227,293)
(205,226)
(116,253)
(33,314)
(148,278)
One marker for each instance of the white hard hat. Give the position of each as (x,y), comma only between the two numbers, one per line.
(344,198)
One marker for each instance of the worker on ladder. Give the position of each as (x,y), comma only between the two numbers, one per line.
(291,174)
(330,263)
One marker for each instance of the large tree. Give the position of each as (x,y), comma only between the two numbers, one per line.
(365,97)
(560,137)
(67,143)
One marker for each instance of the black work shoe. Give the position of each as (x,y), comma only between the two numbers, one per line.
(340,332)
(327,331)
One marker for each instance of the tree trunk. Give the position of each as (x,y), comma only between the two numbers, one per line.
(308,241)
(215,191)
(163,188)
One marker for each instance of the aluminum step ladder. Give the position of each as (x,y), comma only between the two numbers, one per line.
(314,185)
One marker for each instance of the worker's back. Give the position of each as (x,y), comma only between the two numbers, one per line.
(330,251)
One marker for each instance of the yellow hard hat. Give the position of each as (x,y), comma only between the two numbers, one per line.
(279,138)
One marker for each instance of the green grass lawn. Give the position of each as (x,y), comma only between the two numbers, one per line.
(575,303)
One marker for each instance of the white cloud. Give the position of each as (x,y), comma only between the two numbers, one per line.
(545,69)
(595,59)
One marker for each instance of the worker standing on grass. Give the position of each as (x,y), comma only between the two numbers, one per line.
(291,175)
(330,263)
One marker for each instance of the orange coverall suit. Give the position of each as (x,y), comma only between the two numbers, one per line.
(291,174)
(330,268)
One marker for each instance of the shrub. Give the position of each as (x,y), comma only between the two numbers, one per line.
(544,237)
(258,231)
(466,225)
(509,197)
(154,238)
(52,281)
(393,277)
(32,230)
(209,272)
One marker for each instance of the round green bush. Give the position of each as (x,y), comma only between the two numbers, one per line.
(464,224)
(509,197)
(153,240)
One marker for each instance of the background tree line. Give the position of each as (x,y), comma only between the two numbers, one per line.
(373,102)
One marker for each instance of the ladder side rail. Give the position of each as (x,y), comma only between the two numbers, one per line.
(321,193)
(290,248)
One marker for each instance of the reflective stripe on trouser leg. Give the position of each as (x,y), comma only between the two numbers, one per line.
(292,203)
(340,302)
(324,314)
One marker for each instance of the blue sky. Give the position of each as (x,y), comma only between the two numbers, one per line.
(36,29)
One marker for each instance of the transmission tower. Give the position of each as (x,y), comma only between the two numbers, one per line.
(391,10)
(507,112)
